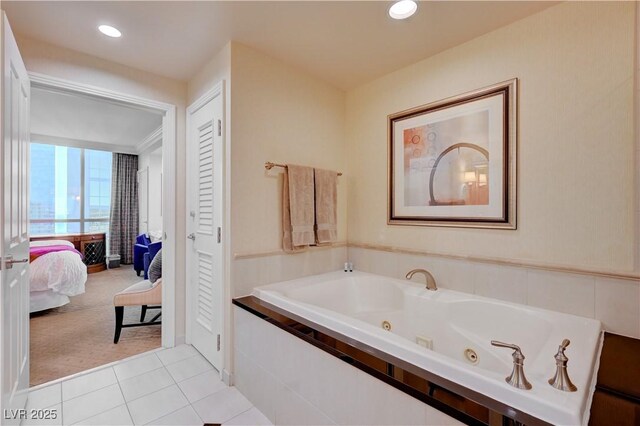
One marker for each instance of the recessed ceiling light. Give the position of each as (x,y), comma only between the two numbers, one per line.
(403,9)
(110,31)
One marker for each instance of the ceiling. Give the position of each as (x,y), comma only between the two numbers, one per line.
(345,43)
(89,122)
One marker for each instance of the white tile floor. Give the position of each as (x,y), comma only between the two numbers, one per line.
(174,386)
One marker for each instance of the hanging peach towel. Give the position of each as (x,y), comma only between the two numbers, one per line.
(297,208)
(326,205)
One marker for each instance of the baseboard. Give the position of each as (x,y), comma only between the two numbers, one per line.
(227,377)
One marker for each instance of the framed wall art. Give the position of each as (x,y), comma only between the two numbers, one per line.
(453,162)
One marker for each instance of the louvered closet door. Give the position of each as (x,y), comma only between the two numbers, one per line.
(204,228)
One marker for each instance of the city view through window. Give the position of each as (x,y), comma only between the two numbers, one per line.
(70,190)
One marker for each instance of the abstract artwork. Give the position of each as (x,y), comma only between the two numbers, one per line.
(453,162)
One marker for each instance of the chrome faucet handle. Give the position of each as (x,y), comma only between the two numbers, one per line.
(561,379)
(517,378)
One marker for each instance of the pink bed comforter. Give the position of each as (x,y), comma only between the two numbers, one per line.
(56,266)
(36,252)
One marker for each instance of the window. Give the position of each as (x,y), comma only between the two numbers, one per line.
(97,200)
(70,190)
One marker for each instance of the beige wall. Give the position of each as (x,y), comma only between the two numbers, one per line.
(81,68)
(576,147)
(213,72)
(217,69)
(283,115)
(273,113)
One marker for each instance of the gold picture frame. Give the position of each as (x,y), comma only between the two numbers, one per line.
(453,162)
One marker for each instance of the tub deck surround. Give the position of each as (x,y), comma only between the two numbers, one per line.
(617,396)
(351,308)
(420,384)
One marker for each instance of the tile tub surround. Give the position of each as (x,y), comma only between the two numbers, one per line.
(613,301)
(381,389)
(167,387)
(251,270)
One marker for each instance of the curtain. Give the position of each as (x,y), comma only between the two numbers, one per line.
(123,220)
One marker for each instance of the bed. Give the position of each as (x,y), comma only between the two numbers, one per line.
(57,272)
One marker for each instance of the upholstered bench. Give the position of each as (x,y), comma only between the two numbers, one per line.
(145,294)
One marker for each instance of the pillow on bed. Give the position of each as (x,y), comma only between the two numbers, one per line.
(43,243)
(155,268)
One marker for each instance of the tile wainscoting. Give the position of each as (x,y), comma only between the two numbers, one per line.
(613,301)
(253,270)
(292,382)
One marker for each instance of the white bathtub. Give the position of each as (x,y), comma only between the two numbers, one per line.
(355,304)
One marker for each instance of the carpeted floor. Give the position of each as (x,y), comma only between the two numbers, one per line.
(79,335)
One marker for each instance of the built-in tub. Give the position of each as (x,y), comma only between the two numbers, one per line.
(355,304)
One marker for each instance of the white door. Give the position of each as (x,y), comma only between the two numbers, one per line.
(204,226)
(14,231)
(143,199)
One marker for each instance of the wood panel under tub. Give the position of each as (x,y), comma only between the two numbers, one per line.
(616,400)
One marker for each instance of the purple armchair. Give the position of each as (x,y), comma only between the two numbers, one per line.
(139,249)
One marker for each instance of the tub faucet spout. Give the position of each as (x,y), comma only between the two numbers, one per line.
(431,282)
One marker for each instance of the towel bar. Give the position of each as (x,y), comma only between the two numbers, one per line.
(269,165)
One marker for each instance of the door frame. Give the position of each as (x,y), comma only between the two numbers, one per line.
(169,145)
(146,201)
(225,336)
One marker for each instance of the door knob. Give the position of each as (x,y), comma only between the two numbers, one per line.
(192,236)
(9,261)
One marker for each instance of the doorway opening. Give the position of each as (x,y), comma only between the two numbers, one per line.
(100,181)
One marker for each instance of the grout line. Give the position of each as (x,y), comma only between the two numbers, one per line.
(278,252)
(180,360)
(595,284)
(126,404)
(62,406)
(150,393)
(164,415)
(185,396)
(139,374)
(526,282)
(86,393)
(188,402)
(95,369)
(133,377)
(191,357)
(101,412)
(174,411)
(239,414)
(218,391)
(121,392)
